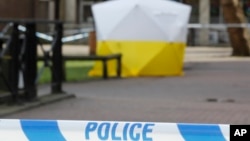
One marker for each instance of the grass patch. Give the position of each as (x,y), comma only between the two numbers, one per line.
(75,71)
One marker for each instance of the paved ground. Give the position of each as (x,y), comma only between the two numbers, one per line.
(214,89)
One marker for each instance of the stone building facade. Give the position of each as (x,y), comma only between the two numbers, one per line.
(24,9)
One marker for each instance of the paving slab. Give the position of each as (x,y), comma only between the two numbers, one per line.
(214,89)
(8,109)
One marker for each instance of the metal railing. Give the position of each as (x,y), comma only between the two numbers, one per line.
(218,34)
(21,47)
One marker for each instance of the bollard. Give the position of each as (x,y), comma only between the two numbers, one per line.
(66,130)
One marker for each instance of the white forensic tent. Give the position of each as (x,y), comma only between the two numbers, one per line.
(150,34)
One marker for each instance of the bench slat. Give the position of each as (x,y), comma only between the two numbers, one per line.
(90,57)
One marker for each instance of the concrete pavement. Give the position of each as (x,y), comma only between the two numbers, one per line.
(214,89)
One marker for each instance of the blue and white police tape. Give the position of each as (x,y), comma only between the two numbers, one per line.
(63,130)
(71,38)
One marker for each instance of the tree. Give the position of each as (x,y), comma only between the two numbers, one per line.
(239,37)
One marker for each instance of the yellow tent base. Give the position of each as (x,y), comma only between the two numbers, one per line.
(142,58)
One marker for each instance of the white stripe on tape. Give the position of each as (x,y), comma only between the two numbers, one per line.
(11,130)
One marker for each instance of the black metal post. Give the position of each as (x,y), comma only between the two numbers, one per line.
(105,69)
(57,9)
(30,59)
(119,66)
(14,64)
(1,45)
(57,60)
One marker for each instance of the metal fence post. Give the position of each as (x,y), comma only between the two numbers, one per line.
(14,63)
(57,60)
(1,45)
(30,60)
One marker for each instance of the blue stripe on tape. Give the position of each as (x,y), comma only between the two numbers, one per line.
(41,130)
(191,132)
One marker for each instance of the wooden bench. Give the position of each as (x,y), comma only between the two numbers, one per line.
(104,59)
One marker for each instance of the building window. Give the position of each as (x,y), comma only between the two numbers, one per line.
(215,15)
(85,13)
(195,10)
(246,8)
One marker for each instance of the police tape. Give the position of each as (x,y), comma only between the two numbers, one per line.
(67,130)
(75,37)
(84,32)
(49,38)
(218,26)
